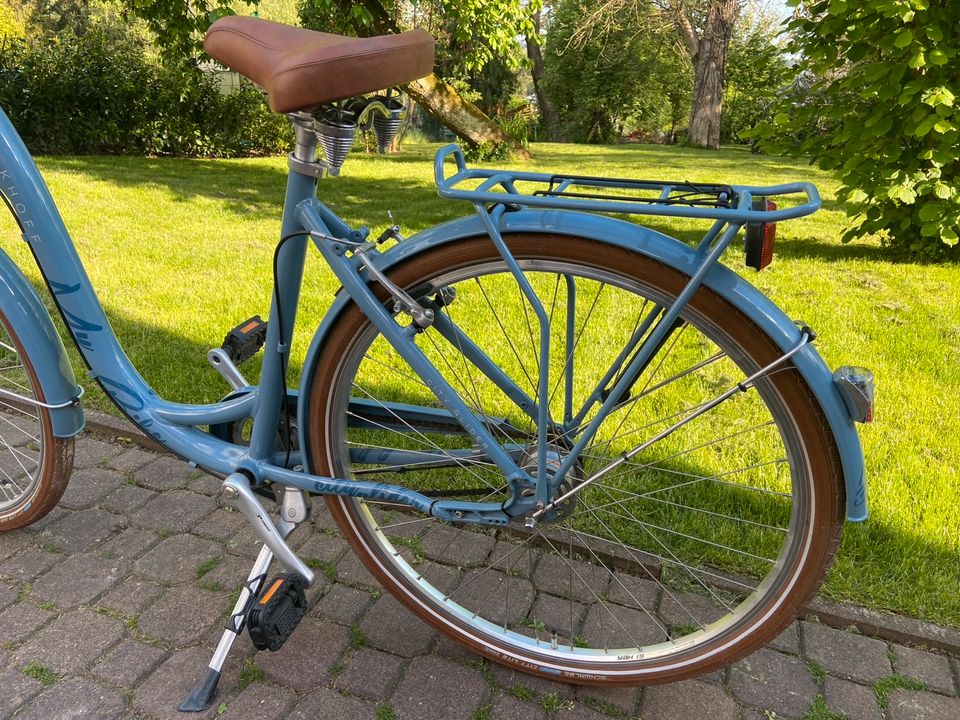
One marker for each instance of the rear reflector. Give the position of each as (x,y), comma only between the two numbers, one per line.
(760,237)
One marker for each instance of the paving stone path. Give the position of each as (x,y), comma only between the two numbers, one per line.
(111,606)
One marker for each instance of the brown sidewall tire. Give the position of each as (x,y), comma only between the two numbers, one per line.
(824,519)
(56,458)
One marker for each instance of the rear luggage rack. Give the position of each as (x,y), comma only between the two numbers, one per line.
(679,193)
(733,204)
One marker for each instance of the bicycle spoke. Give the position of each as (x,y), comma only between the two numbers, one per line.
(631,403)
(687,451)
(526,317)
(576,342)
(506,336)
(596,597)
(695,478)
(406,376)
(10,481)
(599,561)
(649,497)
(424,438)
(17,454)
(18,428)
(472,393)
(7,406)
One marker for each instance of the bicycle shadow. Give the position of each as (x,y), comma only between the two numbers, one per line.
(856,250)
(790,247)
(232,181)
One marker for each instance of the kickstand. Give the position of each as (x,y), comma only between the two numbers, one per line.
(202,696)
(237,488)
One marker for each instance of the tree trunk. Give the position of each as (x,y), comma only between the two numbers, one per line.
(548,114)
(709,61)
(462,117)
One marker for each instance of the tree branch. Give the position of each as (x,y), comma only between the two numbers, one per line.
(685,29)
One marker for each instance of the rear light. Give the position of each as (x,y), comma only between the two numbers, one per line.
(760,237)
(857,390)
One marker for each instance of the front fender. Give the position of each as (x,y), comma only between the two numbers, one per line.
(39,340)
(735,289)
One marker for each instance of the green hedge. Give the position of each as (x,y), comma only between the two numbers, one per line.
(90,93)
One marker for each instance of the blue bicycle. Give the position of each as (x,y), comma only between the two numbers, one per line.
(578,446)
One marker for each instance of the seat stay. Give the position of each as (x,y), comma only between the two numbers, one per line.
(401,339)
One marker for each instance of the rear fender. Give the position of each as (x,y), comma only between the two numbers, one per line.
(740,293)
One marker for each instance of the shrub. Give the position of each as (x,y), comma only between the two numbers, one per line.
(10,24)
(72,95)
(96,93)
(887,118)
(190,116)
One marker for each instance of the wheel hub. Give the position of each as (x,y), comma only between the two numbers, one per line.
(556,456)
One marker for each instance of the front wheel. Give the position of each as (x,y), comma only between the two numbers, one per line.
(672,563)
(34,464)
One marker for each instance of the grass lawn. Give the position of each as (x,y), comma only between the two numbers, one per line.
(180,251)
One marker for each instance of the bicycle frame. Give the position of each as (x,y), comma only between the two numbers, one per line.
(356,263)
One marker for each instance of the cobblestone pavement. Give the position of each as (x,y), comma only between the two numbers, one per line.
(110,608)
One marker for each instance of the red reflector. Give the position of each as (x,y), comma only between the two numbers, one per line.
(760,237)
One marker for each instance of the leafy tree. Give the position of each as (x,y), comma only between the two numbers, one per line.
(885,77)
(705,27)
(470,34)
(592,83)
(702,27)
(549,120)
(49,19)
(601,83)
(473,31)
(758,72)
(180,25)
(57,16)
(494,86)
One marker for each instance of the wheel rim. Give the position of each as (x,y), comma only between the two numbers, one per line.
(21,430)
(655,606)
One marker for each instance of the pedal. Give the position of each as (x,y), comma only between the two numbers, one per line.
(277,612)
(245,340)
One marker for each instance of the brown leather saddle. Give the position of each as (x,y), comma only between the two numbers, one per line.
(301,69)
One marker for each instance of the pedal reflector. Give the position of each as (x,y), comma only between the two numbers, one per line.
(277,612)
(245,339)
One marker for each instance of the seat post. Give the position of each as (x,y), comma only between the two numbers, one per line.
(305,149)
(303,160)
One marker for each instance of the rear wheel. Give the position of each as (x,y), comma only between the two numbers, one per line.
(34,465)
(681,559)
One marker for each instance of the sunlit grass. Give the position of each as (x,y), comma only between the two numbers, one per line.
(180,251)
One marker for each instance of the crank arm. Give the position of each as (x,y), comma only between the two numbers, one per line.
(237,488)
